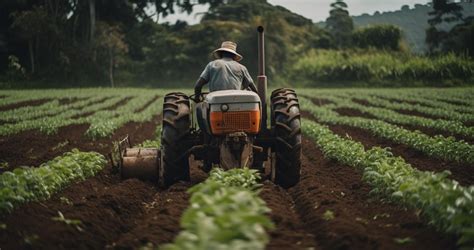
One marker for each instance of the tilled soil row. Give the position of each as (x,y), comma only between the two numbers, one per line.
(335,206)
(160,222)
(290,231)
(31,148)
(105,205)
(24,104)
(127,214)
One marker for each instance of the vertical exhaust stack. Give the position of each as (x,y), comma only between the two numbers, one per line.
(262,78)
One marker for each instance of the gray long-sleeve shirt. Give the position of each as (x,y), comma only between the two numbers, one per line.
(225,74)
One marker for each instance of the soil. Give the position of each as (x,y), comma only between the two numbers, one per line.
(24,104)
(119,103)
(358,220)
(147,104)
(31,148)
(320,101)
(353,113)
(290,232)
(126,214)
(459,172)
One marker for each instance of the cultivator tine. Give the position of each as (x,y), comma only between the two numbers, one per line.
(111,159)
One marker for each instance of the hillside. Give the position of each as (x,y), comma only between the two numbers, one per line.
(413,21)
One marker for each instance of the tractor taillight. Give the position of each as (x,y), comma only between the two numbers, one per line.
(235,121)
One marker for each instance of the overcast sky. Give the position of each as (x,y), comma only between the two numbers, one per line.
(317,10)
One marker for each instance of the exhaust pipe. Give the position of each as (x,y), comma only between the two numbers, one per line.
(262,78)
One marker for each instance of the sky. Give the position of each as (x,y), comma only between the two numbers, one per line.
(317,10)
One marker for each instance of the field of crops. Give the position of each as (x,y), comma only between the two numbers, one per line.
(381,169)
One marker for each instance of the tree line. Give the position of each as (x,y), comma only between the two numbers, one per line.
(63,43)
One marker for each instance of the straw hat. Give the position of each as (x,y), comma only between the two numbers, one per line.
(231,47)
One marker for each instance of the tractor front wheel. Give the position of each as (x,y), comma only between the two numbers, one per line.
(286,126)
(175,130)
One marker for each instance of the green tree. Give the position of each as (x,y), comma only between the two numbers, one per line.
(443,11)
(384,36)
(111,39)
(459,38)
(31,24)
(340,24)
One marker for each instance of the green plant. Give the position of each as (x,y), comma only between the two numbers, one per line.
(403,241)
(225,213)
(70,222)
(328,215)
(437,146)
(443,202)
(26,184)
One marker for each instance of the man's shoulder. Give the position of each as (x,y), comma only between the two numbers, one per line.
(222,62)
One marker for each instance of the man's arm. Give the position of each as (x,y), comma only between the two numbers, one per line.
(198,86)
(248,81)
(203,79)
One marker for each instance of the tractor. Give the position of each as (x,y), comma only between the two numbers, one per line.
(232,133)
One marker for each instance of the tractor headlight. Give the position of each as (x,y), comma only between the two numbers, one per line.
(224,107)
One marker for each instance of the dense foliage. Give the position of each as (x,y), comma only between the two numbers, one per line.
(384,37)
(413,21)
(381,69)
(340,24)
(25,184)
(123,45)
(120,43)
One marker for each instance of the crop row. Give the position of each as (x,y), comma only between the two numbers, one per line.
(440,112)
(457,100)
(427,100)
(437,146)
(18,96)
(432,111)
(25,184)
(462,96)
(225,213)
(51,108)
(433,99)
(443,202)
(391,116)
(105,122)
(51,124)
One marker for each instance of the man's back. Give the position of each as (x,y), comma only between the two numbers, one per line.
(225,74)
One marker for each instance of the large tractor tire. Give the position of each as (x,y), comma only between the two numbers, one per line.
(286,125)
(175,130)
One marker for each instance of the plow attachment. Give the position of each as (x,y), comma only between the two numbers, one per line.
(140,163)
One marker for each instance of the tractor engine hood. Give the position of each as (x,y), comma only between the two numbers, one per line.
(232,96)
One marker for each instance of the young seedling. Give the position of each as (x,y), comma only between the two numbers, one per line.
(403,241)
(328,215)
(70,222)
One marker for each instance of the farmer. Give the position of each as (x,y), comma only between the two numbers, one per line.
(225,73)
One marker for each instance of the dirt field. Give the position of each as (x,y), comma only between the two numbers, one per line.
(128,214)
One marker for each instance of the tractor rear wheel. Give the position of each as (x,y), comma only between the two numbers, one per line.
(175,130)
(286,125)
